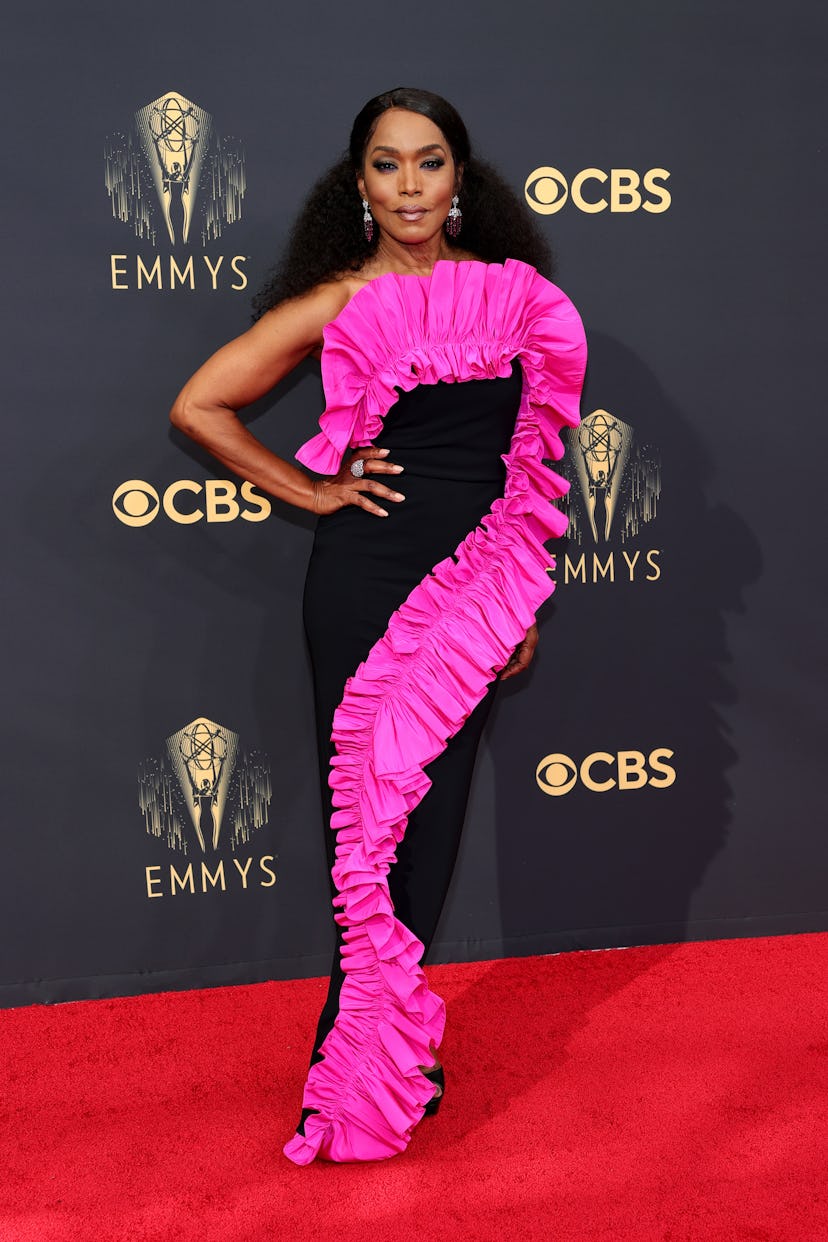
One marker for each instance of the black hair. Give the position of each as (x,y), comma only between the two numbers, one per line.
(328,239)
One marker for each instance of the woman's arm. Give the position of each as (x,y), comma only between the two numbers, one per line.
(247,368)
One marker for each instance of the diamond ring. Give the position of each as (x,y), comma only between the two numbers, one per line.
(358,468)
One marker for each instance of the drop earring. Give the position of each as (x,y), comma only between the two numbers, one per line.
(454,218)
(367,221)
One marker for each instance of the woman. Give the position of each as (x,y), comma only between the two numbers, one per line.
(448,371)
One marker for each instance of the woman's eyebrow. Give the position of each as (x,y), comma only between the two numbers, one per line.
(433,146)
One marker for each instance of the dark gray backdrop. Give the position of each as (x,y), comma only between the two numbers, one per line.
(705,332)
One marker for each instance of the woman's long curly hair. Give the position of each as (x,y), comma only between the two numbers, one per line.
(328,238)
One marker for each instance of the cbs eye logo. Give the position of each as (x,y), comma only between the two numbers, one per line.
(136,503)
(599,772)
(592,190)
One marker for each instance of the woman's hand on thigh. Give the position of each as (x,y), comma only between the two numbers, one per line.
(522,655)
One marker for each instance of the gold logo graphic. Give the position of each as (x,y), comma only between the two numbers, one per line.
(619,480)
(173,173)
(136,503)
(186,793)
(603,448)
(591,190)
(601,771)
(615,489)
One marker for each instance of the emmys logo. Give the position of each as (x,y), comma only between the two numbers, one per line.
(136,503)
(172,176)
(601,771)
(591,190)
(616,486)
(187,795)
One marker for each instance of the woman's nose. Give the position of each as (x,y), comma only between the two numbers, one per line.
(409,182)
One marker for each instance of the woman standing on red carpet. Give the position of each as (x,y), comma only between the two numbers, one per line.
(449,369)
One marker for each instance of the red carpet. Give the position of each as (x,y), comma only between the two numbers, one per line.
(668,1094)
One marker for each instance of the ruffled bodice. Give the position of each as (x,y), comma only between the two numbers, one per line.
(443,646)
(465,321)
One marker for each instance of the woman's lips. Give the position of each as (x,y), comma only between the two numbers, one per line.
(411,215)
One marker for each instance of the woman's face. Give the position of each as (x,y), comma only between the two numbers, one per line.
(408,177)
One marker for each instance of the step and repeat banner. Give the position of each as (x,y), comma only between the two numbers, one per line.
(656,775)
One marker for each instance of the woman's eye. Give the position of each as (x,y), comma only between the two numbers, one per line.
(383,165)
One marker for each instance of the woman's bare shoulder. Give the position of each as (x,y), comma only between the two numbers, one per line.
(305,314)
(330,297)
(319,304)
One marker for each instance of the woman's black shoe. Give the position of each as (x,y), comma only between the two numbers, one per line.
(435,1075)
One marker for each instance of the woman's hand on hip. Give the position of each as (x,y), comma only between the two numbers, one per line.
(345,488)
(522,655)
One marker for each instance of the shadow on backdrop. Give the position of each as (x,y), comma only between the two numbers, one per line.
(641,664)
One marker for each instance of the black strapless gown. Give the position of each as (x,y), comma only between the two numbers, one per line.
(449,438)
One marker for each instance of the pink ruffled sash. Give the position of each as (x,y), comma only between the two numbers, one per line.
(443,646)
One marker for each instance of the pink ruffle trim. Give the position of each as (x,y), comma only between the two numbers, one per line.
(444,645)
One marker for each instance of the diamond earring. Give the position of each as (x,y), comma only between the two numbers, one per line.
(367,221)
(454,218)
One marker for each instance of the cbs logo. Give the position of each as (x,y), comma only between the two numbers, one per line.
(591,190)
(601,771)
(136,503)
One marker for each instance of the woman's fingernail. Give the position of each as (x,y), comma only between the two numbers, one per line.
(399,496)
(397,469)
(385,452)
